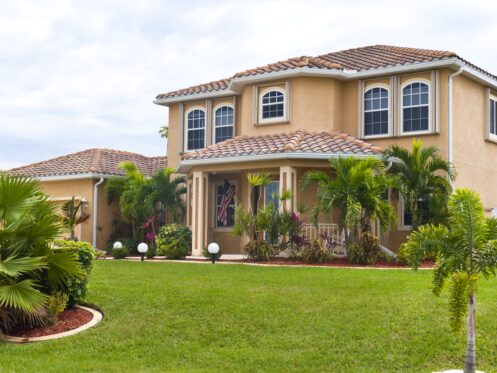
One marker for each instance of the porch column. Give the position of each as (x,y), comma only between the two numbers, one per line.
(288,181)
(199,212)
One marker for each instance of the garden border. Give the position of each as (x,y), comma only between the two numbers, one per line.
(97,317)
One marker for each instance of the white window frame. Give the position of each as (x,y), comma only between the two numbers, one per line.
(284,118)
(216,185)
(492,136)
(430,107)
(401,207)
(185,144)
(216,108)
(367,89)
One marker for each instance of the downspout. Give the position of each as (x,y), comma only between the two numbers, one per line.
(95,210)
(450,124)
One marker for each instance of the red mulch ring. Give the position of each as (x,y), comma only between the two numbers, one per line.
(338,262)
(68,320)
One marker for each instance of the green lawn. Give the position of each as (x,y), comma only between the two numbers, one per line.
(193,317)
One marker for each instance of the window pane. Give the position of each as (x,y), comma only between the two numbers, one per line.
(493,115)
(231,208)
(415,107)
(271,194)
(273,105)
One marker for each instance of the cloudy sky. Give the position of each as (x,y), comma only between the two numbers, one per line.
(82,74)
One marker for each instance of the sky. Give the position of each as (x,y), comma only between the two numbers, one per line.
(83,74)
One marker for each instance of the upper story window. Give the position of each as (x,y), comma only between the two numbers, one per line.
(195,134)
(376,105)
(415,108)
(493,117)
(273,105)
(224,123)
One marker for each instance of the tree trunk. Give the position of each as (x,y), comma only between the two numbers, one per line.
(470,363)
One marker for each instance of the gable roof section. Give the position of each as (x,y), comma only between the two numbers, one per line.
(91,161)
(355,60)
(298,142)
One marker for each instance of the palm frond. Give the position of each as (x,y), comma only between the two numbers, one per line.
(22,295)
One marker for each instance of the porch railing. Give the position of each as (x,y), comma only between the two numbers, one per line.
(329,235)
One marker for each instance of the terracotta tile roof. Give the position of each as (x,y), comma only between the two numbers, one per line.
(96,161)
(358,59)
(300,141)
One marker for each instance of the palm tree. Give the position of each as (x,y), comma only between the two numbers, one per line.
(30,268)
(465,248)
(166,193)
(70,217)
(357,189)
(164,132)
(421,175)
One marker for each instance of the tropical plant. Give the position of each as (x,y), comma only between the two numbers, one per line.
(72,215)
(174,241)
(119,252)
(30,267)
(421,175)
(367,251)
(465,249)
(357,189)
(145,202)
(164,132)
(316,252)
(258,250)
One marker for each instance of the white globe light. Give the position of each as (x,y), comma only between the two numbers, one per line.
(213,248)
(117,245)
(142,248)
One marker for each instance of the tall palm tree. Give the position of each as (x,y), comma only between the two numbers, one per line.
(357,189)
(420,175)
(30,268)
(465,248)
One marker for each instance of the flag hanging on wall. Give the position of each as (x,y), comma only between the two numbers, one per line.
(229,193)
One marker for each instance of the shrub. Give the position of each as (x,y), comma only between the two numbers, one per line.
(174,241)
(129,243)
(258,250)
(206,254)
(99,254)
(77,288)
(120,253)
(152,252)
(57,303)
(316,252)
(367,251)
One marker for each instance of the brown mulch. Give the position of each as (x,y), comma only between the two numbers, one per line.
(338,262)
(68,320)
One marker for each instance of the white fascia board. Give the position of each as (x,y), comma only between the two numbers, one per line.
(73,177)
(185,166)
(195,96)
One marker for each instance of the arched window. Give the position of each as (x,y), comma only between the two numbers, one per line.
(273,105)
(224,123)
(376,112)
(415,107)
(195,135)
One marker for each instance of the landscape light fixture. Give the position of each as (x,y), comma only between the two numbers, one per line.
(213,249)
(117,245)
(142,249)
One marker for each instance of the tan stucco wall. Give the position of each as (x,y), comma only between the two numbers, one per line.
(474,158)
(84,188)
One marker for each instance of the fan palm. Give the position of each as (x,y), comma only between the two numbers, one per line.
(357,189)
(420,175)
(465,248)
(29,267)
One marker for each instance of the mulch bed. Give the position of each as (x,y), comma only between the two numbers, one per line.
(68,320)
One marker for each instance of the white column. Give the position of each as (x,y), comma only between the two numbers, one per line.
(288,181)
(199,212)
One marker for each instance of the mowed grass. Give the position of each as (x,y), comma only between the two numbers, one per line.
(197,317)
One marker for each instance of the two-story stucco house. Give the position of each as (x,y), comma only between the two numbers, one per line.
(292,116)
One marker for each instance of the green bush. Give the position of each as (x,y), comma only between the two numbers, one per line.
(316,252)
(206,254)
(77,288)
(129,243)
(174,241)
(152,252)
(120,253)
(367,251)
(258,250)
(57,303)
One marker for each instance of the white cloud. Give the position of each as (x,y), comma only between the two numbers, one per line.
(75,75)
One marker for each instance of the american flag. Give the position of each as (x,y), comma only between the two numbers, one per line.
(229,194)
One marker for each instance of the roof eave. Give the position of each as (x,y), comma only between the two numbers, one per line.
(73,177)
(195,96)
(186,165)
